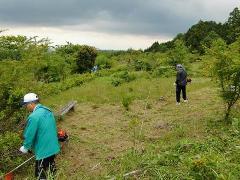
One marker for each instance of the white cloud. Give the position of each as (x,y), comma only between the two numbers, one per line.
(99,40)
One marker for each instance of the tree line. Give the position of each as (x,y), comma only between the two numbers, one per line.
(203,33)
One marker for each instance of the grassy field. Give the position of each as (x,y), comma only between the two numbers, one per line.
(106,141)
(153,139)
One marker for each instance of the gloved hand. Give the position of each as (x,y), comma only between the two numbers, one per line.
(23,150)
(174,84)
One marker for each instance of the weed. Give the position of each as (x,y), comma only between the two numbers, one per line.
(126,101)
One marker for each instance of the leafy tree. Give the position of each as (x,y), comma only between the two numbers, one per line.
(233,25)
(21,47)
(225,67)
(12,47)
(37,48)
(69,52)
(52,69)
(179,54)
(141,65)
(198,32)
(103,61)
(86,58)
(209,39)
(166,46)
(179,36)
(163,47)
(154,47)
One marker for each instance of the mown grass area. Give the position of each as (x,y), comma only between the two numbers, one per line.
(152,138)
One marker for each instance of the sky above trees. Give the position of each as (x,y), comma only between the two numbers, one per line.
(109,24)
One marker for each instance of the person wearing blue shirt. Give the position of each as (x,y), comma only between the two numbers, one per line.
(40,136)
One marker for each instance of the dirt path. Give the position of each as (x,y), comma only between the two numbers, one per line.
(96,134)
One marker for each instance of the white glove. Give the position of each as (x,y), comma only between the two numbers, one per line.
(174,84)
(23,150)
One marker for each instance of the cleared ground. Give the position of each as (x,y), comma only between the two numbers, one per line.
(101,129)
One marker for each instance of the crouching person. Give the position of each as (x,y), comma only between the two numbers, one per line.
(40,136)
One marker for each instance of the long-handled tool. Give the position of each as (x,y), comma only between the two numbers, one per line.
(9,175)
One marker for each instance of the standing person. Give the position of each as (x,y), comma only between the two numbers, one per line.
(40,135)
(181,82)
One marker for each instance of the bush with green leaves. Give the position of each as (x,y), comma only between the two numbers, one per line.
(86,58)
(53,68)
(11,113)
(225,68)
(203,168)
(20,47)
(45,90)
(126,101)
(69,53)
(9,155)
(103,62)
(141,65)
(13,47)
(163,71)
(121,77)
(178,55)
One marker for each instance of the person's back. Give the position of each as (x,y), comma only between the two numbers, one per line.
(181,82)
(40,135)
(46,142)
(181,79)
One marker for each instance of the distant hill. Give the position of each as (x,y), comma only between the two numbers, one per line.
(202,33)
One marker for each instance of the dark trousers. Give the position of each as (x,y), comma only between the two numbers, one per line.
(45,166)
(178,92)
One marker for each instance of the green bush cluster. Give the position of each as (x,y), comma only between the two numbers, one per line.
(11,113)
(45,90)
(53,68)
(225,68)
(9,155)
(140,65)
(121,77)
(103,62)
(126,101)
(163,71)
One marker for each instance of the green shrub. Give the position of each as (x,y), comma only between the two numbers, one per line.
(121,77)
(163,71)
(203,168)
(225,68)
(140,65)
(126,101)
(103,62)
(45,90)
(11,112)
(9,156)
(86,59)
(52,69)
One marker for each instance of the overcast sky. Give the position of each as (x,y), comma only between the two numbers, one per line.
(109,24)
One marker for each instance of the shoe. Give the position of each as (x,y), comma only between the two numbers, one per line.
(185,101)
(178,103)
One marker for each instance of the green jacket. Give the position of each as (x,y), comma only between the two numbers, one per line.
(40,134)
